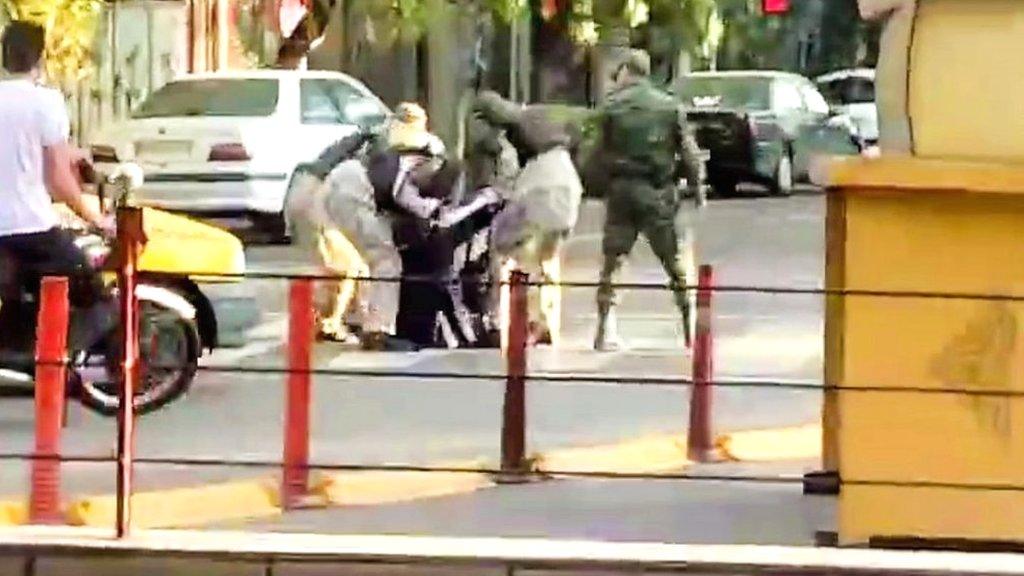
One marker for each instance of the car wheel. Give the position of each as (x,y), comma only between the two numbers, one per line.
(723,187)
(273,225)
(783,185)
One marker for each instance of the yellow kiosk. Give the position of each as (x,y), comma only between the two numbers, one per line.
(941,211)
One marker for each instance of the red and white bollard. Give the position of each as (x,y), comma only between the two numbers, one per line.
(701,440)
(295,480)
(50,381)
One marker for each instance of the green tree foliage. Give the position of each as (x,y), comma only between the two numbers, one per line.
(71,33)
(753,40)
(848,41)
(681,23)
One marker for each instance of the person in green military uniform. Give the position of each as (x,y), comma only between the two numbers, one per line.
(645,147)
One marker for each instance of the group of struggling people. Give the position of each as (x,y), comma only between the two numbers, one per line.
(390,205)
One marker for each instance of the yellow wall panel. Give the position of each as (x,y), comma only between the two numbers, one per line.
(930,239)
(966,92)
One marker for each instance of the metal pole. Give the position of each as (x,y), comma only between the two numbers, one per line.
(130,239)
(700,440)
(513,60)
(150,48)
(295,481)
(223,36)
(115,78)
(513,432)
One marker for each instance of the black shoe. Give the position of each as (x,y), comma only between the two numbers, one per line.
(380,342)
(373,341)
(394,344)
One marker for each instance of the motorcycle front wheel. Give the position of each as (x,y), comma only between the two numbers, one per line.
(168,355)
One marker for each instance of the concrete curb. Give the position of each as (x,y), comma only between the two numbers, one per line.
(213,503)
(772,444)
(183,506)
(369,488)
(13,513)
(650,454)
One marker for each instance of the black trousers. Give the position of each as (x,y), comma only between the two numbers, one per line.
(437,289)
(24,260)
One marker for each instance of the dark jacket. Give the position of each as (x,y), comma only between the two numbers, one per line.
(529,129)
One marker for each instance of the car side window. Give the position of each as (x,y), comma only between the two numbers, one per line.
(328,101)
(787,97)
(357,108)
(318,104)
(814,100)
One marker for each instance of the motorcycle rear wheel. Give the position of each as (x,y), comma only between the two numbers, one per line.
(169,358)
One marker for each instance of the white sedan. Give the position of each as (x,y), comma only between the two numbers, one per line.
(227,144)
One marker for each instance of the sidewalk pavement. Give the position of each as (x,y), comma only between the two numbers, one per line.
(669,510)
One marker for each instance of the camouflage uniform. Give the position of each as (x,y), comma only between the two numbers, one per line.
(642,197)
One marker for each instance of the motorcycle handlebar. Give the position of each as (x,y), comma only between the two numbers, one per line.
(86,172)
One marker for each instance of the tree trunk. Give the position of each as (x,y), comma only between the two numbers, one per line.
(611,50)
(451,42)
(330,54)
(612,45)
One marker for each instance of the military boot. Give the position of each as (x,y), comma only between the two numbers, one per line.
(607,339)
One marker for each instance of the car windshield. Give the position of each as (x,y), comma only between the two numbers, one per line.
(212,97)
(849,91)
(740,92)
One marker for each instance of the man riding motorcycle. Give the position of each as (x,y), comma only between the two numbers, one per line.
(36,168)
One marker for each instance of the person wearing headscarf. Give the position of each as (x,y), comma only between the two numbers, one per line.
(422,192)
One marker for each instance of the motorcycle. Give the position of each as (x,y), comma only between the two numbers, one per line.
(176,321)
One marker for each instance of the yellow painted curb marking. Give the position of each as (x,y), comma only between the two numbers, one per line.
(261,498)
(13,513)
(775,444)
(183,506)
(367,488)
(650,454)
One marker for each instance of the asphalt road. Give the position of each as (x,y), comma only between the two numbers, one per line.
(774,242)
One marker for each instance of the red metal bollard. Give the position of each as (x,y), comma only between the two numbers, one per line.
(295,481)
(701,441)
(51,378)
(513,428)
(131,237)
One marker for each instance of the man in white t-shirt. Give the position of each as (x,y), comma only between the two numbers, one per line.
(37,167)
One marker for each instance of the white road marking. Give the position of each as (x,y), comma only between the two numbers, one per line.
(229,356)
(263,338)
(359,360)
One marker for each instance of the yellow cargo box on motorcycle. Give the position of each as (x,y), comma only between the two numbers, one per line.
(179,245)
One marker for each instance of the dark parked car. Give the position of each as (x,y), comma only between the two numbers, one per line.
(761,127)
